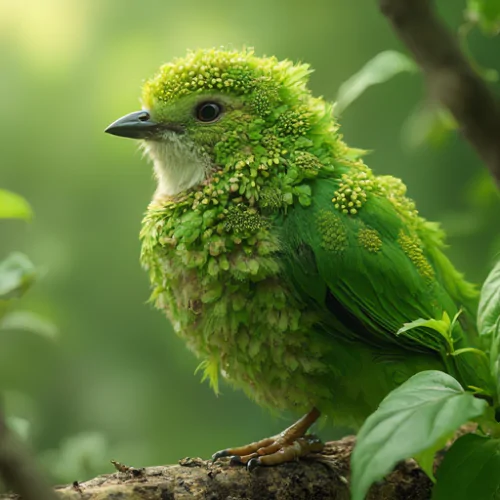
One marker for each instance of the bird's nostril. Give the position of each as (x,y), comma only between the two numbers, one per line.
(144,117)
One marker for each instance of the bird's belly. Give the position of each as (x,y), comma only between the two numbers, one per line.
(242,319)
(263,341)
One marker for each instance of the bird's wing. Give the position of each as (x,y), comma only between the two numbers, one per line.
(369,271)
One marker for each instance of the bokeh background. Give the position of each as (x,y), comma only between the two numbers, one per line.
(116,382)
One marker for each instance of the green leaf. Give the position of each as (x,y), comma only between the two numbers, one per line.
(381,68)
(442,326)
(495,356)
(13,206)
(489,302)
(409,421)
(486,13)
(29,322)
(17,274)
(438,325)
(20,426)
(210,369)
(305,201)
(426,458)
(470,470)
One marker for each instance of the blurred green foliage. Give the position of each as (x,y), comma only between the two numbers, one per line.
(486,13)
(116,382)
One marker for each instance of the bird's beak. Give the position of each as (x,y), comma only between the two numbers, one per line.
(137,125)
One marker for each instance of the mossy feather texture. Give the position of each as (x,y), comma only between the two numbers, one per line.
(292,266)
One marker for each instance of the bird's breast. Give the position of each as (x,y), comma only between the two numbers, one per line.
(229,300)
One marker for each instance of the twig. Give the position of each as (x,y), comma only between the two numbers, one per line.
(449,76)
(19,470)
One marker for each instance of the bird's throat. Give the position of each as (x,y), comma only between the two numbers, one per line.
(178,166)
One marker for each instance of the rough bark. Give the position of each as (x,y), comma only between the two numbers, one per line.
(450,78)
(321,476)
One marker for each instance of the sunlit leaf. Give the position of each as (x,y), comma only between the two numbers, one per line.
(13,206)
(441,326)
(486,13)
(381,68)
(438,325)
(469,470)
(17,274)
(20,426)
(495,355)
(488,319)
(489,302)
(29,322)
(410,420)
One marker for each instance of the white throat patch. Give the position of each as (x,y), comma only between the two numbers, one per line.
(177,165)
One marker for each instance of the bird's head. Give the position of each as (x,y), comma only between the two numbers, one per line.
(213,108)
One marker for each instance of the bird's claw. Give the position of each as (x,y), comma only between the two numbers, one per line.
(250,462)
(236,460)
(220,454)
(253,463)
(287,446)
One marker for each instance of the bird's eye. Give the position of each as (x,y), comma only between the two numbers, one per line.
(208,112)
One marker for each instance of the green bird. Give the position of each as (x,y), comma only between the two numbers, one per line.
(286,265)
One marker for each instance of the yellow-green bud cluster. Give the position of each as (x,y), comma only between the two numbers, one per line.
(294,122)
(272,148)
(308,163)
(395,191)
(353,191)
(370,239)
(242,219)
(412,247)
(266,81)
(202,70)
(332,231)
(265,96)
(211,194)
(271,199)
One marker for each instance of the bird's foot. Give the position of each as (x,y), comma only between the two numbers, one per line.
(287,446)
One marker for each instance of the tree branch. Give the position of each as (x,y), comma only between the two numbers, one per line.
(321,476)
(19,470)
(449,76)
